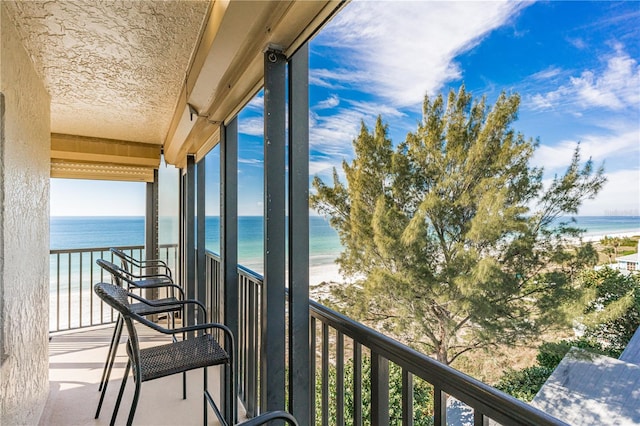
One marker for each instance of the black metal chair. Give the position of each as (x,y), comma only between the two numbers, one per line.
(124,279)
(180,356)
(158,266)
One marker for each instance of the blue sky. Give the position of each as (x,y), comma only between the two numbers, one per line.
(575,65)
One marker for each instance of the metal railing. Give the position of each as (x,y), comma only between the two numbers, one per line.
(248,339)
(360,394)
(73,272)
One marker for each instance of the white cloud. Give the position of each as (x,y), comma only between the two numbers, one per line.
(331,102)
(616,87)
(406,49)
(621,194)
(624,142)
(547,73)
(251,126)
(257,103)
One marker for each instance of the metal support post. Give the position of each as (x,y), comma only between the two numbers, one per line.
(200,267)
(151,228)
(229,244)
(189,236)
(299,340)
(272,369)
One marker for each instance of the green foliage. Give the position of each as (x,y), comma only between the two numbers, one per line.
(551,353)
(524,384)
(451,257)
(422,396)
(612,314)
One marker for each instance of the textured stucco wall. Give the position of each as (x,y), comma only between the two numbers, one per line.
(24,219)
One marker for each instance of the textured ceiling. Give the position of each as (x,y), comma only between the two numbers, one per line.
(114,69)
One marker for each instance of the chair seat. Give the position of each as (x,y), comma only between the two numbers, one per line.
(172,358)
(148,282)
(144,309)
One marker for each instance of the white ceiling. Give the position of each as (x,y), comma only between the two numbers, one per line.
(114,69)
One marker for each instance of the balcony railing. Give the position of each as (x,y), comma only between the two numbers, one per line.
(351,366)
(73,272)
(338,341)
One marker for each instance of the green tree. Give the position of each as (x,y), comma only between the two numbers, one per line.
(439,235)
(612,244)
(612,314)
(422,396)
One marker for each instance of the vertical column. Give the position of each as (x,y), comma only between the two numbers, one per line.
(189,260)
(200,266)
(151,219)
(229,246)
(299,343)
(151,226)
(272,377)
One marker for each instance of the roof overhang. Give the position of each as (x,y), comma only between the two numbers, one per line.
(227,70)
(79,157)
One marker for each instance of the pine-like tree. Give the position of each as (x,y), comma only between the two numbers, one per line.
(439,232)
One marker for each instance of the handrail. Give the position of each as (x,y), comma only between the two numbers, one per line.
(484,399)
(94,249)
(495,404)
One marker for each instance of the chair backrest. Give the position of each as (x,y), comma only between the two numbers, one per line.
(119,275)
(124,258)
(114,296)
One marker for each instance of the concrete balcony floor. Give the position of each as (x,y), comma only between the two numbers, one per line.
(76,360)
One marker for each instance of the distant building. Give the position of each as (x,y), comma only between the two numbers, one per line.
(630,262)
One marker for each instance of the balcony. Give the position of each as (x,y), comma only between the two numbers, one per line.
(352,366)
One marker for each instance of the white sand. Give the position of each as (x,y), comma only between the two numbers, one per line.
(596,238)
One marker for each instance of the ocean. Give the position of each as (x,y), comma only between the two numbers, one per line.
(72,232)
(324,244)
(70,287)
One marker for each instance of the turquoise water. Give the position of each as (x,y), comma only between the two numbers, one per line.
(72,292)
(324,245)
(89,232)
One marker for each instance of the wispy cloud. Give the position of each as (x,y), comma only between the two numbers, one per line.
(624,142)
(406,49)
(616,87)
(251,126)
(547,73)
(331,102)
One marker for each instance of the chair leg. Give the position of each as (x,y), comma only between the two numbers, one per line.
(114,352)
(117,331)
(134,404)
(122,386)
(204,397)
(109,364)
(184,385)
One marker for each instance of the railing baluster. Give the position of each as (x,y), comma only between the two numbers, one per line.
(325,374)
(439,407)
(379,390)
(58,292)
(91,288)
(357,384)
(407,398)
(312,367)
(80,291)
(340,379)
(479,419)
(69,292)
(252,349)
